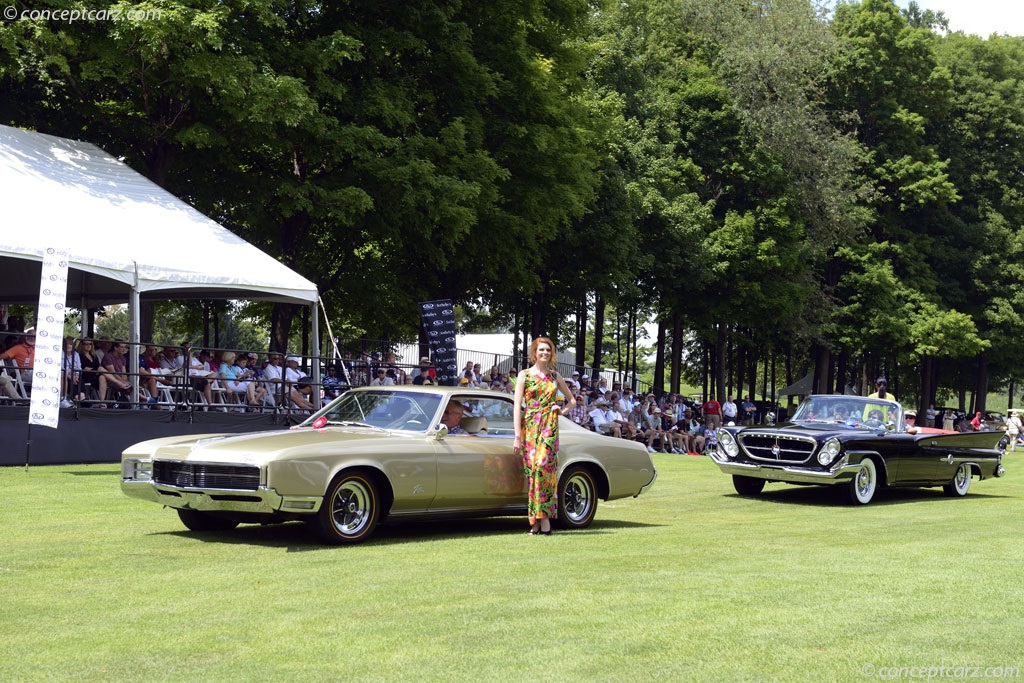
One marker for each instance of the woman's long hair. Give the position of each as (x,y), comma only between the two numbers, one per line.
(533,352)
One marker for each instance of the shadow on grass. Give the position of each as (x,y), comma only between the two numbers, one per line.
(831,496)
(110,472)
(298,537)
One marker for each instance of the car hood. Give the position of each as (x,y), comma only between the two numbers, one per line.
(256,448)
(819,431)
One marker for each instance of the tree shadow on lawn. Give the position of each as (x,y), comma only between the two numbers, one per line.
(832,496)
(297,537)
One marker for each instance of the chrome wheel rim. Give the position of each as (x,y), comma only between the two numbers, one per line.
(577,498)
(865,481)
(350,507)
(963,478)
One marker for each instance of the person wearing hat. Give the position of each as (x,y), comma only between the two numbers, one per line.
(910,418)
(599,418)
(382,379)
(297,385)
(425,373)
(23,355)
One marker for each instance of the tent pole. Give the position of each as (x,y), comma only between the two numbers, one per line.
(314,351)
(133,336)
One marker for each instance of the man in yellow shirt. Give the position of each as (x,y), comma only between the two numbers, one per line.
(880,392)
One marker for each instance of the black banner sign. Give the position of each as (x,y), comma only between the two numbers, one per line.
(438,319)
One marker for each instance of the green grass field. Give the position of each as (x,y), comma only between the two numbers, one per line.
(688,582)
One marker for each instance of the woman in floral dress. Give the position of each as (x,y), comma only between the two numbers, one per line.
(536,419)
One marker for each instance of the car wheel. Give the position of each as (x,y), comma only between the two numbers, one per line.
(961,482)
(863,486)
(747,486)
(203,521)
(350,510)
(577,498)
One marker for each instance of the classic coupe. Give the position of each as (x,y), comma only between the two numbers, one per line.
(861,444)
(379,454)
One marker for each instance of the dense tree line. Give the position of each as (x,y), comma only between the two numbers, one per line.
(768,181)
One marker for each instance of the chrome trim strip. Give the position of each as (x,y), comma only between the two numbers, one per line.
(778,438)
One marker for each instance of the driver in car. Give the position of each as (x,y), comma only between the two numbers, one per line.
(452,416)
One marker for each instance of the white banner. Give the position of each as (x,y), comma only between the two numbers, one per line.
(53,286)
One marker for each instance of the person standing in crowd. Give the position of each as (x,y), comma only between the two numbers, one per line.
(712,410)
(929,415)
(536,421)
(1014,427)
(729,410)
(749,411)
(947,420)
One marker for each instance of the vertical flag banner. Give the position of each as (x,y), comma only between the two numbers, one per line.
(438,318)
(44,408)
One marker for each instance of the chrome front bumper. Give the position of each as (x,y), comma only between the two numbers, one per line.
(261,501)
(793,475)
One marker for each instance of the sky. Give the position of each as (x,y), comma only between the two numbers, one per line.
(981,17)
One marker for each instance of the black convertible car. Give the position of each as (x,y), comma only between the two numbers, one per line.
(858,443)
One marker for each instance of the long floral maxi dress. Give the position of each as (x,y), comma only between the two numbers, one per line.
(540,441)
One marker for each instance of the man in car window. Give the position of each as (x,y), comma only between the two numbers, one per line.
(452,416)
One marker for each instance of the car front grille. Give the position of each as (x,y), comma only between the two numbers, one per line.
(777,447)
(202,476)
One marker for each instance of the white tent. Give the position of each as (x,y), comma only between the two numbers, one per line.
(128,238)
(123,231)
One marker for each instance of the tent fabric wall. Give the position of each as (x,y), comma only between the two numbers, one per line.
(123,232)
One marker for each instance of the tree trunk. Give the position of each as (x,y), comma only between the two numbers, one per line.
(281,317)
(675,383)
(581,333)
(659,361)
(981,389)
(720,362)
(598,332)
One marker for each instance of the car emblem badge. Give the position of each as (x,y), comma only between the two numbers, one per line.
(776,450)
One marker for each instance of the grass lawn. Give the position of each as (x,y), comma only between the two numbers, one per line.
(688,582)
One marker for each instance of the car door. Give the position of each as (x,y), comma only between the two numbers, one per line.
(479,471)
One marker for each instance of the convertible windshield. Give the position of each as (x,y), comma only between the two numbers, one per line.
(412,411)
(853,411)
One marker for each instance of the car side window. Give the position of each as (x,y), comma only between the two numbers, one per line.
(498,414)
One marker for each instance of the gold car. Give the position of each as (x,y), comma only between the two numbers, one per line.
(378,454)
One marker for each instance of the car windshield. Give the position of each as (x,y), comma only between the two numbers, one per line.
(851,411)
(402,410)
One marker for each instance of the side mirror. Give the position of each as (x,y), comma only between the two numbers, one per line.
(442,431)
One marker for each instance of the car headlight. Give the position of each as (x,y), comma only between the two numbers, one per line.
(138,469)
(728,443)
(829,451)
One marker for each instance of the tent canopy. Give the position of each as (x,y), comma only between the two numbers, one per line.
(801,387)
(122,231)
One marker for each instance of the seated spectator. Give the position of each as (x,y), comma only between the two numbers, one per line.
(114,373)
(673,441)
(238,379)
(90,363)
(23,354)
(273,377)
(602,423)
(579,413)
(200,374)
(382,379)
(425,373)
(297,389)
(695,428)
(642,427)
(71,373)
(331,383)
